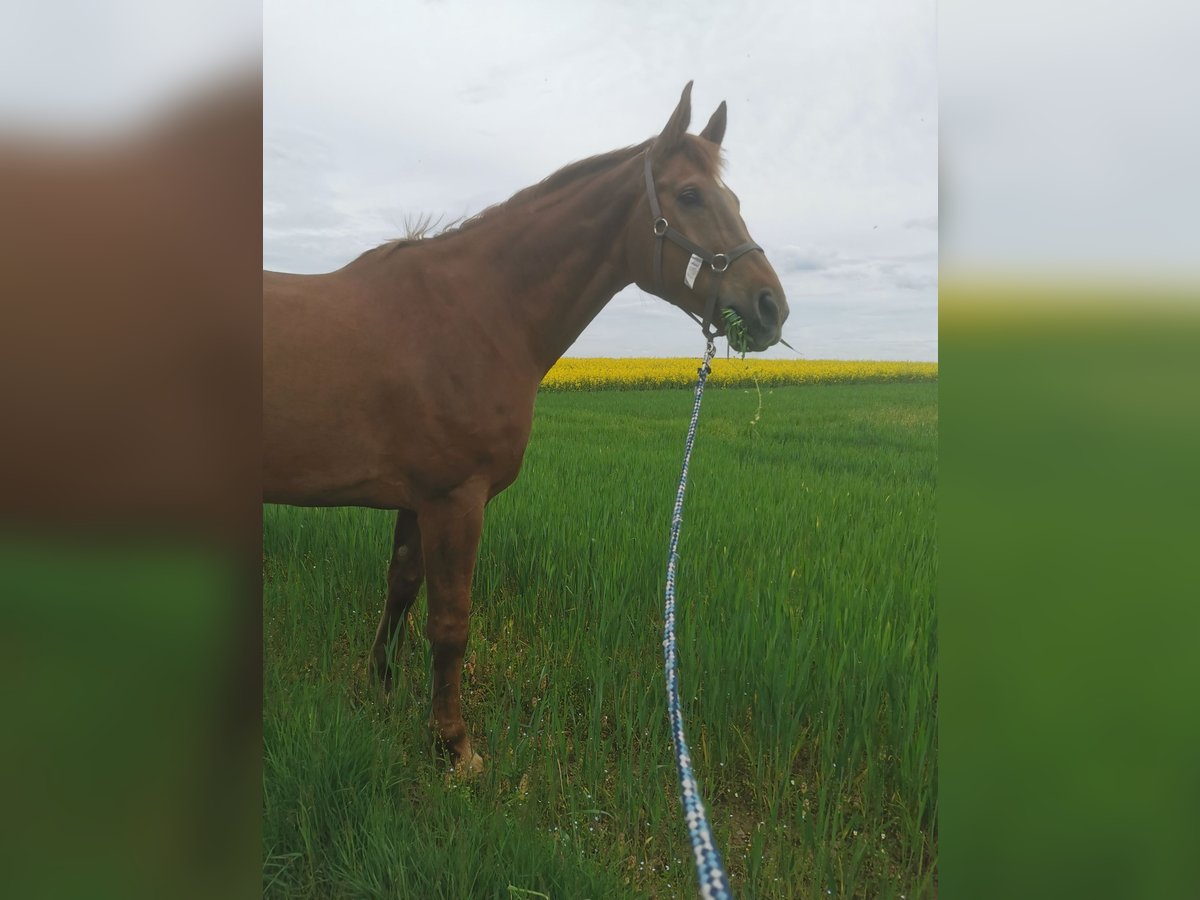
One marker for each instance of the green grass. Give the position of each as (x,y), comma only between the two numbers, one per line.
(807,652)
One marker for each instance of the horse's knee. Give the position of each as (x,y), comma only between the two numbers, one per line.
(447,633)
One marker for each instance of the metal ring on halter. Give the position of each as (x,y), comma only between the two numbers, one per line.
(724,262)
(660,221)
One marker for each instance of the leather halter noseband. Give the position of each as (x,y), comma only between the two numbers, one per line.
(718,262)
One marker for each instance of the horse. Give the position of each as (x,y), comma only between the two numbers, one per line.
(406,379)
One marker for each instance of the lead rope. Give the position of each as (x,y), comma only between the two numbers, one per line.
(710,871)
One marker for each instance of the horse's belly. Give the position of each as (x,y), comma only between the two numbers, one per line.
(319,464)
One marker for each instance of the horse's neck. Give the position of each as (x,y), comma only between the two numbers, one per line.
(549,265)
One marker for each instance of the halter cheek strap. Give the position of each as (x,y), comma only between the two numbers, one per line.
(718,262)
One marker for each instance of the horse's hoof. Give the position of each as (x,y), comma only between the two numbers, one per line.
(468,768)
(464,770)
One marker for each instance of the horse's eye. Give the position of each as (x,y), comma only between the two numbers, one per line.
(689,197)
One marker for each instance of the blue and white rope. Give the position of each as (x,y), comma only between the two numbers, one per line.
(710,871)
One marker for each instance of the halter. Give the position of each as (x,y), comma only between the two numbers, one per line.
(718,262)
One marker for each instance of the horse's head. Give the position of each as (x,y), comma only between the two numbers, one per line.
(688,243)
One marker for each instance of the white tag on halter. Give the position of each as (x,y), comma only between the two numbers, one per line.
(694,264)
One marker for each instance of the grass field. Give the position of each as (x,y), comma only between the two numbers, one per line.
(807,651)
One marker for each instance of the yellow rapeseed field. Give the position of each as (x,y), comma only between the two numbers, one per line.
(639,373)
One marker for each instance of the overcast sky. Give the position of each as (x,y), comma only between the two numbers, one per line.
(377,113)
(1070,138)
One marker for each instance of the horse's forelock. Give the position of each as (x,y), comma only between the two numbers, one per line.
(705,154)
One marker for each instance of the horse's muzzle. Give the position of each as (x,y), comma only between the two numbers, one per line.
(764,319)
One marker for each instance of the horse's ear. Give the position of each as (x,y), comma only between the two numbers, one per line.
(677,125)
(715,129)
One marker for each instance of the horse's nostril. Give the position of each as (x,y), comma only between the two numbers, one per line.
(768,309)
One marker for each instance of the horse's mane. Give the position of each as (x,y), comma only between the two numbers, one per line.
(703,153)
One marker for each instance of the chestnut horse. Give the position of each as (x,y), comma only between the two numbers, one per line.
(406,380)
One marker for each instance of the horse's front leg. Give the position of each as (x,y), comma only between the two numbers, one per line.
(450,530)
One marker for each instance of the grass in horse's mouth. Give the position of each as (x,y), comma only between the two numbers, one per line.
(735,331)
